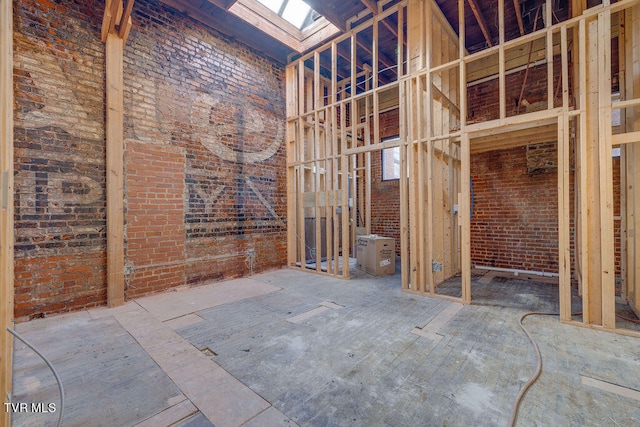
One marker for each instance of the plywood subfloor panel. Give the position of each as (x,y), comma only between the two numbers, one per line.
(106,375)
(170,305)
(356,363)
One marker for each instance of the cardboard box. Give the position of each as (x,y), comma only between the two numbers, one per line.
(376,255)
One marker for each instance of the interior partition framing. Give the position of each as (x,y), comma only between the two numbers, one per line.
(334,100)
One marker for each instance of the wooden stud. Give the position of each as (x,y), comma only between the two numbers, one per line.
(607,246)
(565,67)
(401,42)
(564,247)
(6,204)
(291,77)
(550,80)
(632,50)
(421,185)
(465,217)
(335,138)
(317,102)
(501,59)
(624,236)
(344,186)
(404,187)
(115,169)
(301,235)
(633,222)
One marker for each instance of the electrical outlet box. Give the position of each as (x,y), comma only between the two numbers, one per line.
(251,253)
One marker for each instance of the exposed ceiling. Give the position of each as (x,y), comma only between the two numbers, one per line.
(248,22)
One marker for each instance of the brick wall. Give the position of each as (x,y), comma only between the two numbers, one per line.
(484,101)
(514,222)
(385,195)
(59,157)
(204,160)
(216,109)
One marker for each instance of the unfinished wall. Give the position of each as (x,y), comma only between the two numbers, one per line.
(385,195)
(204,163)
(484,101)
(59,157)
(208,115)
(514,222)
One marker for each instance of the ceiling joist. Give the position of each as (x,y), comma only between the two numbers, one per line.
(372,5)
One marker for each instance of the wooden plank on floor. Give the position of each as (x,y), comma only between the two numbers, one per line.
(217,394)
(611,388)
(171,415)
(170,305)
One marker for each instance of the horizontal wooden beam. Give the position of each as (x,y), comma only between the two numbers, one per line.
(515,138)
(372,5)
(265,20)
(625,138)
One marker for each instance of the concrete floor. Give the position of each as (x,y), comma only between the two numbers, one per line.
(286,348)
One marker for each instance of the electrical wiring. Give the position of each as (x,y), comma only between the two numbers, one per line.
(50,365)
(627,319)
(534,378)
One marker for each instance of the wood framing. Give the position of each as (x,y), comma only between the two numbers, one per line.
(115,170)
(6,202)
(630,156)
(437,142)
(115,28)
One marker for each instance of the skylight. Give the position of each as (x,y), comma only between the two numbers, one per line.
(297,12)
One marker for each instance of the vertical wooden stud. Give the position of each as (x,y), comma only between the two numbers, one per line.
(404,187)
(302,247)
(292,110)
(465,219)
(502,61)
(606,174)
(632,49)
(549,55)
(564,247)
(115,173)
(6,203)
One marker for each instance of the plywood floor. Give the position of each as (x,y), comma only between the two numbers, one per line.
(287,348)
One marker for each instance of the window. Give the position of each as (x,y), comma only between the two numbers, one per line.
(296,12)
(391,163)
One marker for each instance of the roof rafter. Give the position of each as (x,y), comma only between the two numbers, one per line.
(481,21)
(223,4)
